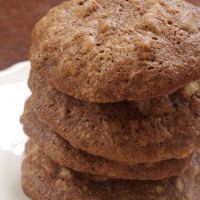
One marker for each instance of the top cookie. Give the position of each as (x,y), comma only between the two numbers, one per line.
(115,50)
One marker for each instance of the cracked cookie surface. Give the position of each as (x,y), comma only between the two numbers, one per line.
(43,179)
(62,152)
(115,50)
(134,132)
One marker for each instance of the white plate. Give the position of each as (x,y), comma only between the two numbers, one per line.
(13,93)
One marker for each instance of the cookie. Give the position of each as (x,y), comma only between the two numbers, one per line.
(134,132)
(107,51)
(43,179)
(62,152)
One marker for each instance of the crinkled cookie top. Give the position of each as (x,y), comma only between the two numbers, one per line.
(115,50)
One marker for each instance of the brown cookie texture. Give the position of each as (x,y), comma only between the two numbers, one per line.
(163,128)
(114,50)
(62,152)
(43,179)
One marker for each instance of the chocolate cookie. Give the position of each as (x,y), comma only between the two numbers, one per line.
(115,50)
(135,132)
(62,152)
(43,179)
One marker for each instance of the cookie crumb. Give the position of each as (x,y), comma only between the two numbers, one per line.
(194,171)
(61,184)
(179,184)
(86,8)
(150,22)
(65,173)
(103,26)
(159,189)
(190,89)
(88,44)
(62,112)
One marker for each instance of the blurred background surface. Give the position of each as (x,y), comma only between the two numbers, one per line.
(17,18)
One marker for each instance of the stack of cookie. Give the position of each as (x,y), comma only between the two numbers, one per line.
(115,108)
